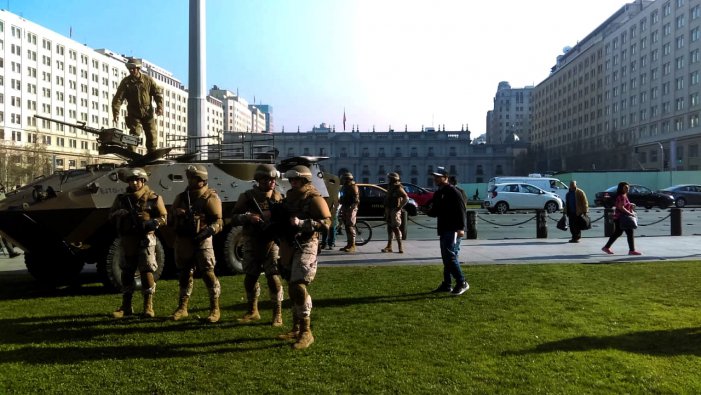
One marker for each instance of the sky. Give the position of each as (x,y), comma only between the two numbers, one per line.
(386,63)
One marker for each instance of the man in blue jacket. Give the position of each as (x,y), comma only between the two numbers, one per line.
(449,209)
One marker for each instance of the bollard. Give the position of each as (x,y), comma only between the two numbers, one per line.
(403,226)
(608,222)
(541,225)
(676,221)
(471,233)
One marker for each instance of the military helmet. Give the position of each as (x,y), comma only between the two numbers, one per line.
(134,63)
(393,176)
(264,171)
(127,174)
(196,171)
(347,176)
(299,171)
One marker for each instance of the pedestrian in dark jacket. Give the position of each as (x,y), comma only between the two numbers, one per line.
(449,209)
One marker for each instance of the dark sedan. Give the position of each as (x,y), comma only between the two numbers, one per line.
(684,194)
(637,194)
(372,202)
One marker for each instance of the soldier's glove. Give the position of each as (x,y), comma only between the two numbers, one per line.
(309,226)
(150,225)
(204,234)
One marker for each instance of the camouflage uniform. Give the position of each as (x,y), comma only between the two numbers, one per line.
(395,199)
(197,213)
(350,198)
(260,253)
(309,214)
(139,91)
(137,214)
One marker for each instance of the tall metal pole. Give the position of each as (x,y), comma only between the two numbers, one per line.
(197,96)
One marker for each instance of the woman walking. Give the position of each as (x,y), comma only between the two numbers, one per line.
(623,218)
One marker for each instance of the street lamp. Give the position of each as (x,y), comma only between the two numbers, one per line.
(661,156)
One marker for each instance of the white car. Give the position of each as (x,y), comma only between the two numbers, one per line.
(520,196)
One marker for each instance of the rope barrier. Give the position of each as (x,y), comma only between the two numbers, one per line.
(528,220)
(656,222)
(497,224)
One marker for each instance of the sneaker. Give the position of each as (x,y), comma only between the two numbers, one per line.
(460,288)
(607,250)
(442,288)
(634,253)
(573,241)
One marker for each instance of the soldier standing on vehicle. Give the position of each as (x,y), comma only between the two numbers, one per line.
(350,198)
(197,213)
(137,214)
(140,90)
(260,253)
(308,215)
(395,199)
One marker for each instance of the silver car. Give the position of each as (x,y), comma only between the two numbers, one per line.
(520,196)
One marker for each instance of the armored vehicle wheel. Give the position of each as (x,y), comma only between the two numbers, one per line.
(112,273)
(53,269)
(233,251)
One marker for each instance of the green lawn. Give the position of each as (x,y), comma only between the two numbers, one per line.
(619,328)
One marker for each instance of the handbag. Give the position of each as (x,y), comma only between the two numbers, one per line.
(562,223)
(628,222)
(584,222)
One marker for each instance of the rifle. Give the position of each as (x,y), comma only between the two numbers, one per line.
(105,136)
(136,223)
(188,227)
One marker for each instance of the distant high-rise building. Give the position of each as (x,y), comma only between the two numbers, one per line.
(510,119)
(238,115)
(269,120)
(627,96)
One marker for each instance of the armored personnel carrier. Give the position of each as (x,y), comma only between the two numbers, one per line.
(60,221)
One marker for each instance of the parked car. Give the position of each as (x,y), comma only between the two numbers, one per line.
(422,196)
(518,196)
(372,202)
(639,195)
(684,194)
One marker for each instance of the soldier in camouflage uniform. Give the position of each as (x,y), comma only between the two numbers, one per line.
(308,215)
(137,214)
(197,213)
(395,199)
(260,253)
(350,198)
(140,90)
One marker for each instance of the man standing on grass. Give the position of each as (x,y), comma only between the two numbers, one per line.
(449,209)
(308,215)
(197,214)
(137,213)
(260,253)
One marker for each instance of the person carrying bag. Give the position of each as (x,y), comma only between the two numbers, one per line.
(624,219)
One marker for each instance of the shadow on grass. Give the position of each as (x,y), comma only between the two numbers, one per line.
(340,302)
(73,354)
(20,286)
(683,341)
(73,338)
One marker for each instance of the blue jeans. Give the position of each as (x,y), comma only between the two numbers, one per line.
(450,247)
(330,238)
